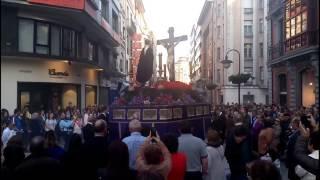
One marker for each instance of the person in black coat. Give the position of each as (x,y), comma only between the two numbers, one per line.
(238,152)
(36,128)
(88,131)
(97,148)
(145,66)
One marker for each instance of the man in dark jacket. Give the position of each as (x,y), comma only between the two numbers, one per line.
(290,159)
(97,148)
(88,131)
(219,124)
(238,152)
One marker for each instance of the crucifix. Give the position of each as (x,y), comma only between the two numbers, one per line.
(169,44)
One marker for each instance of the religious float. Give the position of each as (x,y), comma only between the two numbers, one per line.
(161,105)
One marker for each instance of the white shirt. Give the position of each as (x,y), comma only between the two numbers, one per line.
(6,135)
(50,124)
(304,174)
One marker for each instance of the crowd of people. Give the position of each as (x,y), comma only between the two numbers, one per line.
(249,141)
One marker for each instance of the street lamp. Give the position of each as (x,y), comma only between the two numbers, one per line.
(227,63)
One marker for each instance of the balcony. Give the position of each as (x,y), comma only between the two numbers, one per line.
(276,51)
(299,45)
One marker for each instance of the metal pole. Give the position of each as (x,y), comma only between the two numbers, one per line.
(239,85)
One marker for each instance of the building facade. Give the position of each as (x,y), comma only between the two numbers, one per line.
(182,70)
(294,52)
(236,25)
(58,52)
(195,56)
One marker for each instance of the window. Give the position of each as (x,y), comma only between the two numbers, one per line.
(127,70)
(218,75)
(261,4)
(219,32)
(295,24)
(26,28)
(219,10)
(261,49)
(105,10)
(68,43)
(46,39)
(115,22)
(304,21)
(248,70)
(218,54)
(261,25)
(261,74)
(92,52)
(248,10)
(55,41)
(248,28)
(121,65)
(42,38)
(248,50)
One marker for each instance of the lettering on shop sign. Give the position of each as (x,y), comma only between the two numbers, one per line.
(25,71)
(53,72)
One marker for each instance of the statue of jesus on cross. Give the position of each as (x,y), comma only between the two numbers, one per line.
(169,44)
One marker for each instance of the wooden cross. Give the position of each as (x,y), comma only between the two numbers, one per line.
(169,44)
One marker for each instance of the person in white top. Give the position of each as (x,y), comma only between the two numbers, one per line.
(217,163)
(7,133)
(50,122)
(313,146)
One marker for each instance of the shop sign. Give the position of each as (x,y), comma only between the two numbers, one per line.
(53,72)
(73,4)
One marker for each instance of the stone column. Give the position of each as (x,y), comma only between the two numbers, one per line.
(292,81)
(315,63)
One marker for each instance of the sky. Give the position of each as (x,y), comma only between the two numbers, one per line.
(180,14)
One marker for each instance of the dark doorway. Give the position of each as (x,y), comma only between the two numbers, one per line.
(282,79)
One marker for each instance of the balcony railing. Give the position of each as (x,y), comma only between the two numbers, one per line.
(276,50)
(304,40)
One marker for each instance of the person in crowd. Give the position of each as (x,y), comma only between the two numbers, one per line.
(7,133)
(86,116)
(301,151)
(66,129)
(73,160)
(238,152)
(50,122)
(4,118)
(35,125)
(178,160)
(148,175)
(154,156)
(88,130)
(264,170)
(104,114)
(290,160)
(134,142)
(53,150)
(16,119)
(256,129)
(38,165)
(118,163)
(195,150)
(96,149)
(13,155)
(217,163)
(220,123)
(77,124)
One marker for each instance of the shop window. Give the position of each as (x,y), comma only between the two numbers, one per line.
(26,29)
(91,95)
